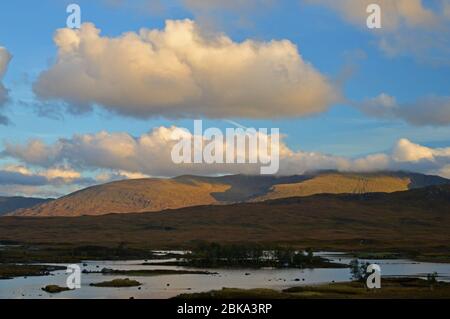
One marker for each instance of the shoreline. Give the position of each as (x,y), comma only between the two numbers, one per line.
(392,288)
(64,253)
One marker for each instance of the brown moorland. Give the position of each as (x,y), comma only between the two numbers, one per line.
(417,220)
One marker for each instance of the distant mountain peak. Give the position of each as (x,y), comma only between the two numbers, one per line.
(13,203)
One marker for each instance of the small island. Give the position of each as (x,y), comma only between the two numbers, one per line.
(53,289)
(117,283)
(215,255)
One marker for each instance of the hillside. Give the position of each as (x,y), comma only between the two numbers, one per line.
(338,183)
(413,220)
(128,196)
(10,204)
(153,195)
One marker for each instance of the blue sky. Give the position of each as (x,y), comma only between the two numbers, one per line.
(348,54)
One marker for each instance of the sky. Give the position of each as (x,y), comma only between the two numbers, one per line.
(103,102)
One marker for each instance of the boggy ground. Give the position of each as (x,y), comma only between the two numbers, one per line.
(392,288)
(414,224)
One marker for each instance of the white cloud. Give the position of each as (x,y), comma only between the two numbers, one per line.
(120,155)
(406,151)
(180,72)
(35,152)
(119,175)
(383,105)
(395,13)
(34,191)
(444,172)
(408,26)
(430,110)
(56,181)
(53,175)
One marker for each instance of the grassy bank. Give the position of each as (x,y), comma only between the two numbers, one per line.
(8,271)
(66,253)
(392,288)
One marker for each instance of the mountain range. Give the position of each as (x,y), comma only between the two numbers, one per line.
(153,194)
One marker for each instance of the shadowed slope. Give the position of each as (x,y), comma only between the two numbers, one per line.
(10,204)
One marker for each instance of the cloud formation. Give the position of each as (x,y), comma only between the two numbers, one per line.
(122,155)
(395,13)
(22,175)
(431,110)
(5,57)
(408,26)
(180,72)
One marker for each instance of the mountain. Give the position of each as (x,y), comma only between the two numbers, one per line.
(413,220)
(10,204)
(151,195)
(128,196)
(352,183)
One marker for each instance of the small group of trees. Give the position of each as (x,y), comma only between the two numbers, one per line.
(358,270)
(290,257)
(249,255)
(215,253)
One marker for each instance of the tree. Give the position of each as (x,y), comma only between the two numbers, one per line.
(358,270)
(431,278)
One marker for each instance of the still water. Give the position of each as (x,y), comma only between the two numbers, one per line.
(159,287)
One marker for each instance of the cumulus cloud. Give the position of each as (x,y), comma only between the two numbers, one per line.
(122,155)
(431,110)
(56,181)
(17,178)
(116,175)
(180,72)
(408,26)
(413,156)
(5,57)
(13,174)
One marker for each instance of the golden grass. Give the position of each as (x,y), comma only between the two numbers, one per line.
(338,184)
